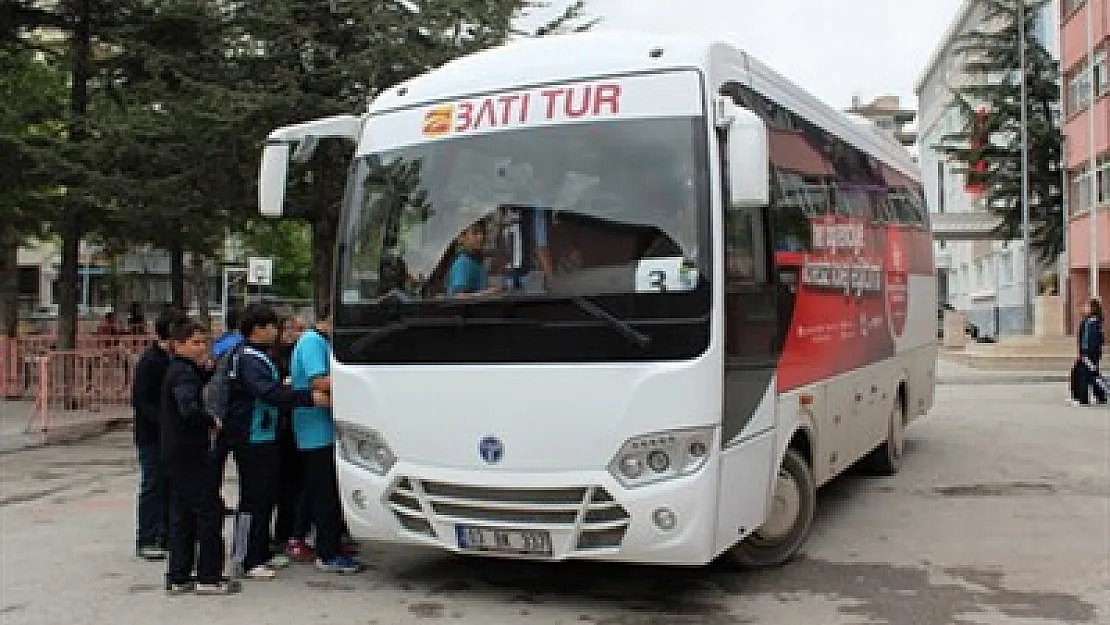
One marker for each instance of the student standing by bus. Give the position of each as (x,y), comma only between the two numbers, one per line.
(187,435)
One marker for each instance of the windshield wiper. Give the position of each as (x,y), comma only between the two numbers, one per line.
(404,323)
(633,335)
(372,337)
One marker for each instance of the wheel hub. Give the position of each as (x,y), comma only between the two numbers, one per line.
(785,508)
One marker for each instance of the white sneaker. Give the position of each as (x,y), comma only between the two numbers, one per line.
(260,573)
(279,561)
(1075,403)
(222,587)
(152,553)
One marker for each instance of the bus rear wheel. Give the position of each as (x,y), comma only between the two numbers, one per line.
(788,520)
(886,459)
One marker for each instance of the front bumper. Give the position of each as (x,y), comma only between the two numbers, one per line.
(588,515)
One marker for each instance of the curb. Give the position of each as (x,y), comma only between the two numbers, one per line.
(1002,379)
(63,435)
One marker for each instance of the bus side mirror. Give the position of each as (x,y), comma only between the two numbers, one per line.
(274,171)
(271,179)
(748,157)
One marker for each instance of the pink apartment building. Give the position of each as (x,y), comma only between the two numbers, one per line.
(1084,45)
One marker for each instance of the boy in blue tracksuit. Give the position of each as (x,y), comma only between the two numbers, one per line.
(257,395)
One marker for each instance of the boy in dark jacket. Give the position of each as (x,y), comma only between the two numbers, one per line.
(187,436)
(152,507)
(257,395)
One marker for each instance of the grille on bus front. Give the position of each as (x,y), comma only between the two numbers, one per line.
(600,520)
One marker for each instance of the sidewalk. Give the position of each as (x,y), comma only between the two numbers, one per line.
(949,372)
(16,417)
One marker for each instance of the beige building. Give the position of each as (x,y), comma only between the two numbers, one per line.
(887,113)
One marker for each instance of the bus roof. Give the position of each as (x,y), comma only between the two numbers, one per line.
(558,58)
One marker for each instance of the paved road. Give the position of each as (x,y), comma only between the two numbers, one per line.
(1001,515)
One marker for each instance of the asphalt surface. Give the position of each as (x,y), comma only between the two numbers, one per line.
(1001,515)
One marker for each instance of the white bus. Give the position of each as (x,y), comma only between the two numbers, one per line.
(617,297)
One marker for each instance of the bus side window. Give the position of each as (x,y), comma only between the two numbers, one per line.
(797,202)
(745,258)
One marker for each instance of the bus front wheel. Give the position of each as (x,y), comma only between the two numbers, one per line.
(788,519)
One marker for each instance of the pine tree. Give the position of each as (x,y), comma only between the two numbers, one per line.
(169,135)
(989,147)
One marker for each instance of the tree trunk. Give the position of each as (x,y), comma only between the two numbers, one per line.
(9,281)
(324,229)
(71,227)
(200,288)
(116,285)
(177,277)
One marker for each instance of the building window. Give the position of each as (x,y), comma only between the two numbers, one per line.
(1006,267)
(1071,5)
(1079,90)
(1104,180)
(980,274)
(940,188)
(1101,77)
(1079,191)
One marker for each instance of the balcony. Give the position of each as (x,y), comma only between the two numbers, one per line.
(971,226)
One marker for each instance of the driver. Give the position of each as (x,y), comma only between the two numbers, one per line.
(467,276)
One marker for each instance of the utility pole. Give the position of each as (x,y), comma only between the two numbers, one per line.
(1026,251)
(1092,100)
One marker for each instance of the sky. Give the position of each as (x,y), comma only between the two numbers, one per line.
(832,48)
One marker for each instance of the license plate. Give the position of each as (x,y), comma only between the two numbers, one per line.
(522,542)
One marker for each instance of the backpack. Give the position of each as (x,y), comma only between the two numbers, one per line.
(217,392)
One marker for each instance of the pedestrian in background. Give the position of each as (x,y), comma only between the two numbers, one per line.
(1085,376)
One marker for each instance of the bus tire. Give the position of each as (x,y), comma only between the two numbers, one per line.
(788,520)
(886,459)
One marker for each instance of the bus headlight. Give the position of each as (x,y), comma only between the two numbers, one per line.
(661,456)
(364,447)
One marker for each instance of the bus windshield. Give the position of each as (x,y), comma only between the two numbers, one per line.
(615,208)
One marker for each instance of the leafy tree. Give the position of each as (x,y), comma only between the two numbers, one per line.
(289,243)
(989,147)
